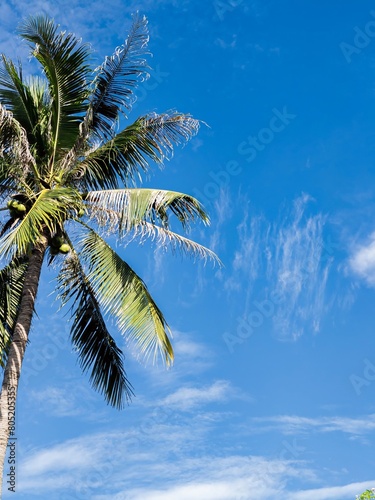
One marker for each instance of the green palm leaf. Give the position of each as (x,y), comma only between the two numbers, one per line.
(95,346)
(150,137)
(15,155)
(123,294)
(64,61)
(137,213)
(27,102)
(126,208)
(12,278)
(115,80)
(48,212)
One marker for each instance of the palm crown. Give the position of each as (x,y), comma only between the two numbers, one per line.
(68,179)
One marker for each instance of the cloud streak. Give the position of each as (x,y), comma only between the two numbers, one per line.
(289,259)
(294,424)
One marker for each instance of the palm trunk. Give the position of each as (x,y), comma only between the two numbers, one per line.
(15,358)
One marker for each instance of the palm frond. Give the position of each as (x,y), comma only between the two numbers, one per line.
(12,278)
(167,239)
(136,213)
(15,156)
(123,294)
(96,348)
(124,209)
(64,61)
(150,137)
(48,211)
(116,79)
(27,102)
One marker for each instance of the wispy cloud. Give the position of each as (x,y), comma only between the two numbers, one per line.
(82,465)
(332,493)
(166,458)
(298,270)
(294,424)
(69,400)
(187,398)
(362,261)
(288,258)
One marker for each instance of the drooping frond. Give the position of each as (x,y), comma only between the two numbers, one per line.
(65,62)
(123,294)
(28,102)
(96,348)
(115,81)
(150,137)
(12,278)
(48,211)
(167,239)
(125,209)
(15,156)
(145,213)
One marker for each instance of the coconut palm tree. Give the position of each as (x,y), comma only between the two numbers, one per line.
(67,182)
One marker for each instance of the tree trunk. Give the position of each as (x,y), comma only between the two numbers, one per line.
(15,358)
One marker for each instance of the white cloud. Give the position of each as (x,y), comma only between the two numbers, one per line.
(288,259)
(72,400)
(187,398)
(167,458)
(362,261)
(97,463)
(332,493)
(248,258)
(293,424)
(74,454)
(300,270)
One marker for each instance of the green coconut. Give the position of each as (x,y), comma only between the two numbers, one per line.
(12,204)
(20,207)
(65,248)
(81,212)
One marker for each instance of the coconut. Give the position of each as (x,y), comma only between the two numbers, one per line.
(12,204)
(65,248)
(20,207)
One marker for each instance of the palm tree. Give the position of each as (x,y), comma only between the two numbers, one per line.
(67,181)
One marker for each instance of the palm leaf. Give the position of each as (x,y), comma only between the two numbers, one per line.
(137,213)
(177,243)
(96,348)
(49,211)
(64,61)
(116,79)
(123,294)
(126,208)
(12,278)
(27,102)
(15,155)
(150,137)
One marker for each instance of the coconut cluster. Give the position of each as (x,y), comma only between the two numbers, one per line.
(16,209)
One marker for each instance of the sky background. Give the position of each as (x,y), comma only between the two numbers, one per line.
(272,394)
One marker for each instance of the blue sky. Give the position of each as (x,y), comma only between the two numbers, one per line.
(272,394)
